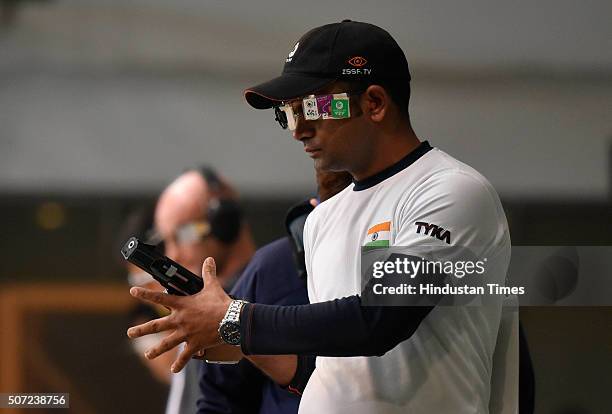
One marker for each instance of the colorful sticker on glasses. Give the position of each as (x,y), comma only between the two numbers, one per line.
(311,111)
(324,105)
(340,107)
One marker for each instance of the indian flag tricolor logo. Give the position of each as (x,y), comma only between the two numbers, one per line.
(379,235)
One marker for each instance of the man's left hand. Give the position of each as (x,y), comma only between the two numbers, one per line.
(193,319)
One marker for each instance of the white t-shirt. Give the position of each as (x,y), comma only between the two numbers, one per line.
(445,366)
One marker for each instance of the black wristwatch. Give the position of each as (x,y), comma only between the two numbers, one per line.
(229,328)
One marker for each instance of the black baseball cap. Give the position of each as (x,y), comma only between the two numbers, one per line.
(347,50)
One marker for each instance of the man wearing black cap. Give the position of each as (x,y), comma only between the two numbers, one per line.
(344,93)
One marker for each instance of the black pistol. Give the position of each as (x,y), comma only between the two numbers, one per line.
(175,278)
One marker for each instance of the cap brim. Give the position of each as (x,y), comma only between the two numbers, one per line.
(283,88)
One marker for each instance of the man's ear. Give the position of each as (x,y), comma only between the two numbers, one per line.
(376,103)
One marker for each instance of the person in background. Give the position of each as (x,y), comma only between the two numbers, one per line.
(196,216)
(276,276)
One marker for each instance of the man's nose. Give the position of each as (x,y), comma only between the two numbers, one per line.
(303,129)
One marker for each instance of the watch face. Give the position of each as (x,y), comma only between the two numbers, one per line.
(230,333)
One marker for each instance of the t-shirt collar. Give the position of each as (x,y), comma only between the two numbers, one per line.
(390,171)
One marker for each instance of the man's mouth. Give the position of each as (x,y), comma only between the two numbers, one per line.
(312,152)
(310,147)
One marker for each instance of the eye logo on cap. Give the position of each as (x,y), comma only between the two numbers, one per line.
(290,55)
(357,61)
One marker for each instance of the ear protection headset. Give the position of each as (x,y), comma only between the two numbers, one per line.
(224,214)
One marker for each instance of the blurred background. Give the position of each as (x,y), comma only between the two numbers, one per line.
(103,103)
